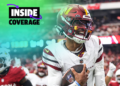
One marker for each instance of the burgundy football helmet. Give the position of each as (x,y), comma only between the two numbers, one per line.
(75,22)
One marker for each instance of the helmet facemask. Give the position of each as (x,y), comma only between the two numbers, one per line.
(2,64)
(80,31)
(5,60)
(118,78)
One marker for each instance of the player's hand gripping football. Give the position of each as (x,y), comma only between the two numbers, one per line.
(82,77)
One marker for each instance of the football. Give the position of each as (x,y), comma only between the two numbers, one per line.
(68,77)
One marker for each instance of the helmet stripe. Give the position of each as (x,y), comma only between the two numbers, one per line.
(63,10)
(68,10)
(85,11)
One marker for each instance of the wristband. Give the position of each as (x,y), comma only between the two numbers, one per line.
(75,83)
(110,73)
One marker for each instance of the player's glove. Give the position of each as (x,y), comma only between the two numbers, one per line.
(17,62)
(112,68)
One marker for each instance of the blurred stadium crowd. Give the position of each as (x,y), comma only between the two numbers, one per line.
(107,30)
(90,1)
(111,54)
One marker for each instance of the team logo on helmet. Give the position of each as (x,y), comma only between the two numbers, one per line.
(77,16)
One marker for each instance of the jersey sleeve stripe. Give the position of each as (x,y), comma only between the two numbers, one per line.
(56,68)
(100,50)
(49,59)
(100,58)
(49,56)
(51,63)
(48,52)
(99,41)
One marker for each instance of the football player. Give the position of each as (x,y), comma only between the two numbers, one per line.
(11,75)
(80,47)
(117,79)
(40,77)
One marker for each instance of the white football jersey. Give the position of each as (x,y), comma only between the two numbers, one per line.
(59,58)
(36,80)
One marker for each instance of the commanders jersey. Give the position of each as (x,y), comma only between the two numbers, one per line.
(59,59)
(36,80)
(13,77)
(114,83)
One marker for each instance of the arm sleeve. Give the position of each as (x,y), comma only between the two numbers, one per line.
(54,68)
(99,67)
(54,77)
(49,59)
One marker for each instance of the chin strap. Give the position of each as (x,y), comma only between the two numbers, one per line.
(67,35)
(76,51)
